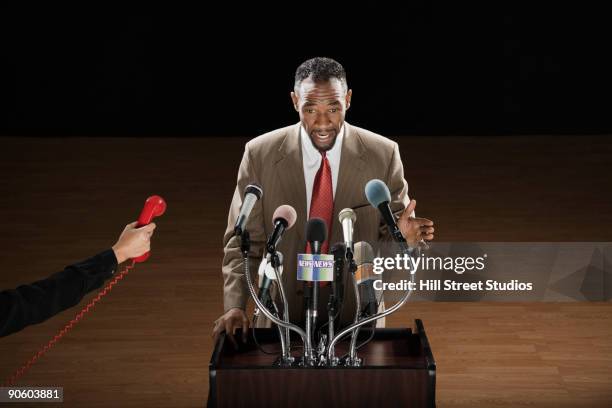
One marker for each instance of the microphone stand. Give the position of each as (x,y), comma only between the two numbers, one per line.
(352,359)
(331,312)
(405,250)
(245,247)
(332,307)
(286,357)
(316,249)
(315,303)
(311,294)
(284,360)
(308,310)
(284,332)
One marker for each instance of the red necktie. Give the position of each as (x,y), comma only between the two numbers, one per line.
(322,201)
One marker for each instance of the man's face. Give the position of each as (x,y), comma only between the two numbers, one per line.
(322,107)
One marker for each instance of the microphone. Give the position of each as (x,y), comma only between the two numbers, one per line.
(266,269)
(336,297)
(316,234)
(252,193)
(338,250)
(283,218)
(365,277)
(347,218)
(378,195)
(267,275)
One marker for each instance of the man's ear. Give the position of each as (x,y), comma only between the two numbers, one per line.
(294,99)
(349,94)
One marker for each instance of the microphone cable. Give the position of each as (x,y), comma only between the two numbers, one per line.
(259,346)
(338,313)
(372,331)
(366,341)
(254,335)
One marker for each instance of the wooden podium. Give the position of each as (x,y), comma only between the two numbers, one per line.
(398,370)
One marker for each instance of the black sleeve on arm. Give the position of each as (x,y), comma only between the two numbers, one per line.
(35,303)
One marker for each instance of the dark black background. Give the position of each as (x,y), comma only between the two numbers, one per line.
(200,71)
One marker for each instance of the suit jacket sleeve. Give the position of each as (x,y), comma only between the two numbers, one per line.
(235,291)
(35,303)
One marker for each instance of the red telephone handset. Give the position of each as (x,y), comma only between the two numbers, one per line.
(154,207)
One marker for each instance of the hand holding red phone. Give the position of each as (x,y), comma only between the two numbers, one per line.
(135,240)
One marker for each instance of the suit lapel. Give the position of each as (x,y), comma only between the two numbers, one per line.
(348,192)
(290,172)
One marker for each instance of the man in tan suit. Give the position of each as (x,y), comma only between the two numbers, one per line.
(284,162)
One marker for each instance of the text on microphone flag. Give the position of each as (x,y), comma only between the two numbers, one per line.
(315,267)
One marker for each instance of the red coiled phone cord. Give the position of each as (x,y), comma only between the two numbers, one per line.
(11,380)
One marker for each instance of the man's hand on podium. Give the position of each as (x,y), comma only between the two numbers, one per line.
(229,322)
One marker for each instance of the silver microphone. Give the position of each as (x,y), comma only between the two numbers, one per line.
(347,218)
(252,193)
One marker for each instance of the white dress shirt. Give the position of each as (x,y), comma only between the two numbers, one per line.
(311,159)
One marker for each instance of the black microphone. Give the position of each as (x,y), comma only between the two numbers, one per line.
(378,196)
(365,277)
(338,250)
(283,218)
(252,193)
(316,234)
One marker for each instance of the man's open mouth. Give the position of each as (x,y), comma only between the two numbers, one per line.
(324,136)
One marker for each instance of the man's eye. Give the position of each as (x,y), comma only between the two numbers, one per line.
(310,111)
(333,110)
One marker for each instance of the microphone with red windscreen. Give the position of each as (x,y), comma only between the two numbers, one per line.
(283,218)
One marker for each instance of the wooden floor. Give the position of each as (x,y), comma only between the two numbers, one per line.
(148,344)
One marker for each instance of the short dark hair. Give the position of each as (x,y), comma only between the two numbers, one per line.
(321,69)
